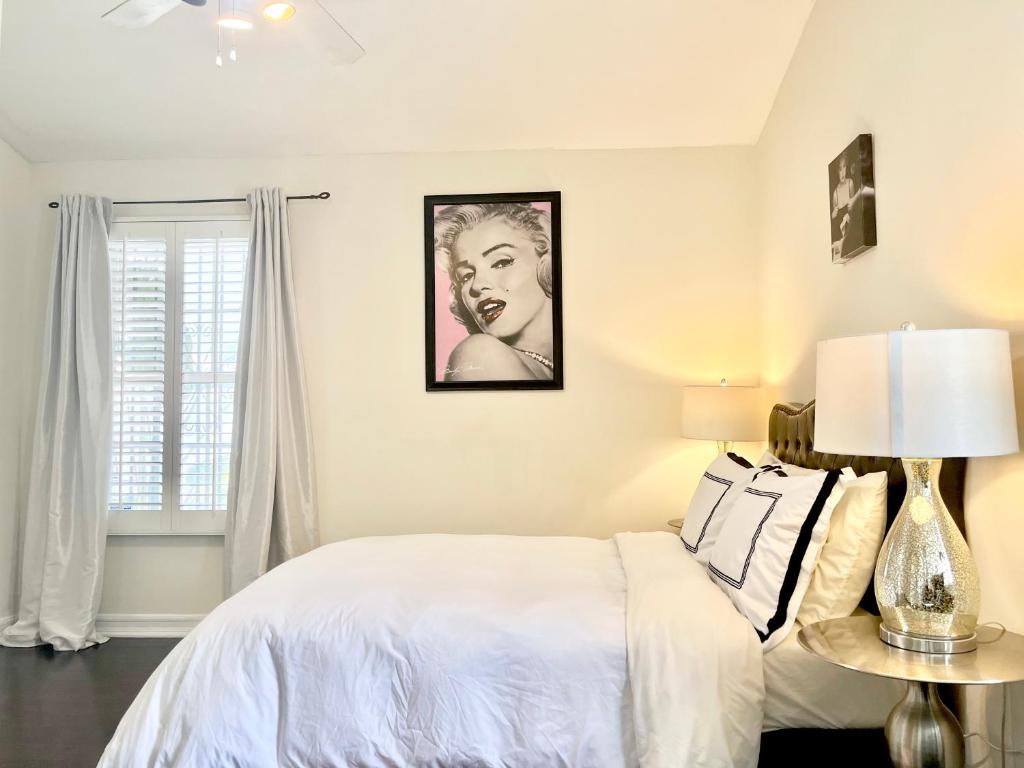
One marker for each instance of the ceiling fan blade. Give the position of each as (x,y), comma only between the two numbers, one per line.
(327,34)
(133,14)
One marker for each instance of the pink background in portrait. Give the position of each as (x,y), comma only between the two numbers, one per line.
(448,331)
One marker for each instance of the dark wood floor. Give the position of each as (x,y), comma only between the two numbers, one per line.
(60,709)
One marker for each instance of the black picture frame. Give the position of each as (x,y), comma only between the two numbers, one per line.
(430,203)
(852,200)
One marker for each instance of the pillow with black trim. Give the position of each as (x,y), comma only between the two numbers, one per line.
(768,545)
(768,459)
(724,478)
(847,560)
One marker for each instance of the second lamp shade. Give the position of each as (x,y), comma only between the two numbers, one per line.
(723,413)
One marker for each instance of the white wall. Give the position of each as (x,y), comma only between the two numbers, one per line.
(659,290)
(940,86)
(16,254)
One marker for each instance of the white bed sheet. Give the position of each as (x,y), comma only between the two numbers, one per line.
(804,691)
(455,651)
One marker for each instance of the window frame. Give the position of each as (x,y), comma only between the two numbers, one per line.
(170,520)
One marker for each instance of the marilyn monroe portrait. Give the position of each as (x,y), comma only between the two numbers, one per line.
(496,309)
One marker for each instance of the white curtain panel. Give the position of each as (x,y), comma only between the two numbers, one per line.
(64,526)
(272,511)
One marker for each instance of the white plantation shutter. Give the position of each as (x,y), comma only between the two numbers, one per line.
(212,275)
(138,269)
(177,295)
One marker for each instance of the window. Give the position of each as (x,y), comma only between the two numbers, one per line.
(177,306)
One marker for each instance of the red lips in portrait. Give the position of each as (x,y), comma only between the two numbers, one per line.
(490,309)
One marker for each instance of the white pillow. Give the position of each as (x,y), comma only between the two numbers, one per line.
(769,461)
(724,478)
(767,547)
(848,556)
(855,534)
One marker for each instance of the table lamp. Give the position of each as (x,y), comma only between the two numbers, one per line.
(723,413)
(920,396)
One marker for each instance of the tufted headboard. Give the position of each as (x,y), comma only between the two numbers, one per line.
(791,439)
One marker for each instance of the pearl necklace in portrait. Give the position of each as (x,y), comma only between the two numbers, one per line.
(537,356)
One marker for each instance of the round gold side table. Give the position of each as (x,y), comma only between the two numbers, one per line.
(920,730)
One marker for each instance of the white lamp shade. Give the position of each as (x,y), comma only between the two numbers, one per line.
(723,413)
(927,394)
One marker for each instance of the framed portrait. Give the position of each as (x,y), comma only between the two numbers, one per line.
(493,291)
(851,192)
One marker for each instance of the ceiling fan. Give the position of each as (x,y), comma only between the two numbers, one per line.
(312,17)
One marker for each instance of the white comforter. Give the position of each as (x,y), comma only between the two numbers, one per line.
(461,651)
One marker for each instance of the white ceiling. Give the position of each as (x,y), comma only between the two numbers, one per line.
(438,76)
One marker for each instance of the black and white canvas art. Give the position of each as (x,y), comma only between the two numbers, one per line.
(851,186)
(493,291)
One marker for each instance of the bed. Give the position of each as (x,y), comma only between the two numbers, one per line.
(438,650)
(442,650)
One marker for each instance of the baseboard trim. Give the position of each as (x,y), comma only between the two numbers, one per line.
(147,624)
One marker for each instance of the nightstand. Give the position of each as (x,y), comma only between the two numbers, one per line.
(920,729)
(676,522)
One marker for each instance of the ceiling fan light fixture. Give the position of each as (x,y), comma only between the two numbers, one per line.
(278,11)
(234,21)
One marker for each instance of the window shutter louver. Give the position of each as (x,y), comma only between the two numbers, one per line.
(139,312)
(212,275)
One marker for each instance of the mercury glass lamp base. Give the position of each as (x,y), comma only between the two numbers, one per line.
(908,641)
(926,581)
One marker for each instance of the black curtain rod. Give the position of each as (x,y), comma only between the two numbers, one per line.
(320,196)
